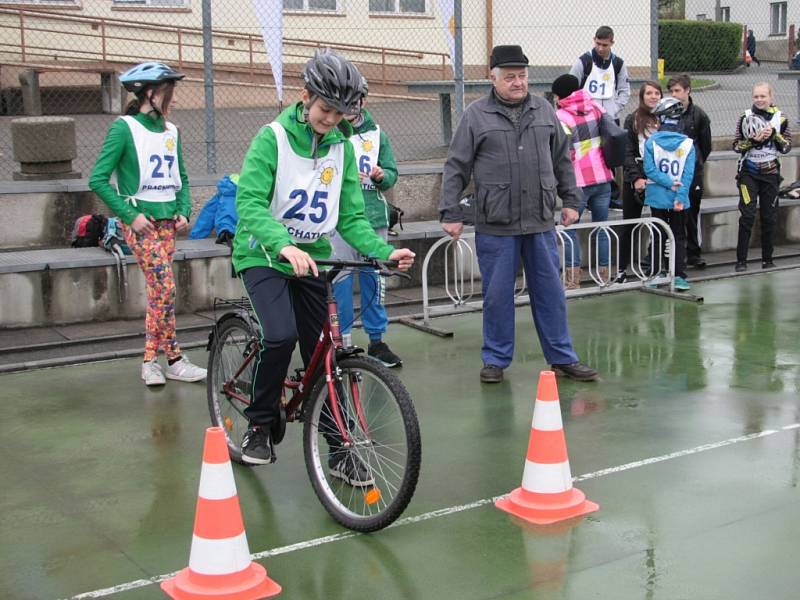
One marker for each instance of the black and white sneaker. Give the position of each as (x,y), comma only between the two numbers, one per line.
(379,350)
(348,467)
(256,448)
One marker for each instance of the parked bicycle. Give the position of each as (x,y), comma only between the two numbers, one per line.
(342,395)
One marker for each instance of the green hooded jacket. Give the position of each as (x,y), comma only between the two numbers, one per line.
(259,235)
(374,202)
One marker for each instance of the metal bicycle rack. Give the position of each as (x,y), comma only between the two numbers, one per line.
(646,233)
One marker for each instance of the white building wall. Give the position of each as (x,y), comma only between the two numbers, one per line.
(556,33)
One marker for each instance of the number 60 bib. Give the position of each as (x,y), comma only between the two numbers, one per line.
(306,196)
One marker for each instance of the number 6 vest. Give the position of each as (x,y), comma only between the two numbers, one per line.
(157,152)
(307,191)
(672,162)
(367,147)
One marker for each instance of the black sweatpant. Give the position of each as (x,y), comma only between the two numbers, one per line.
(757,193)
(677,223)
(289,309)
(632,205)
(693,233)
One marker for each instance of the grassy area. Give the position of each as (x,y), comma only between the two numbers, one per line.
(697,82)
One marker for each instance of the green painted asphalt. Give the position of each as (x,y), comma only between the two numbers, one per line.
(100,474)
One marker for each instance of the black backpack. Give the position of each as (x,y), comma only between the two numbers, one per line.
(586,60)
(88,231)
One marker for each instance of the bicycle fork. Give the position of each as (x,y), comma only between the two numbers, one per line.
(333,376)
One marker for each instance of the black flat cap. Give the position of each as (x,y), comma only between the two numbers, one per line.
(508,56)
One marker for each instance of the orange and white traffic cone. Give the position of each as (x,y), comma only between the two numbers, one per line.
(219,563)
(546,495)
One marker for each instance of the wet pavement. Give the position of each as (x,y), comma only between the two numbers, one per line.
(690,444)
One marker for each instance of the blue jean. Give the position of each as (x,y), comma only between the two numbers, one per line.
(597,197)
(498,260)
(373,292)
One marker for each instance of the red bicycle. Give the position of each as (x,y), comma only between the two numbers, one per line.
(342,394)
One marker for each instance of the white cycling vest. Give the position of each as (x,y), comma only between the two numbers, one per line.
(367,147)
(768,152)
(159,175)
(601,83)
(672,162)
(307,191)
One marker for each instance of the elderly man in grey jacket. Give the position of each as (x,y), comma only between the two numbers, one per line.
(517,152)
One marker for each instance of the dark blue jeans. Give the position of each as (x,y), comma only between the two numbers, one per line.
(498,258)
(597,198)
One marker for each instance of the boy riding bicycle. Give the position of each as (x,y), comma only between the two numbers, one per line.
(298,183)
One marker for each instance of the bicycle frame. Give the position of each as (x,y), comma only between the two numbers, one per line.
(324,356)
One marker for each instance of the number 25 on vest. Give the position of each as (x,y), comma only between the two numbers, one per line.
(296,211)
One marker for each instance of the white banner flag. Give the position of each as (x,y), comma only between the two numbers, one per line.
(270,15)
(446,11)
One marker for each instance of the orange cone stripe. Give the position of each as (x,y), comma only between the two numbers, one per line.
(215,450)
(218,519)
(547,447)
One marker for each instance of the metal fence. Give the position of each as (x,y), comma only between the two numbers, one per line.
(413,52)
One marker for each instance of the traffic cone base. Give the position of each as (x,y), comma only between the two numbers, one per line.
(535,509)
(250,584)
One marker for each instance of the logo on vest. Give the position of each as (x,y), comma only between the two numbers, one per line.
(679,152)
(170,144)
(366,145)
(327,172)
(606,77)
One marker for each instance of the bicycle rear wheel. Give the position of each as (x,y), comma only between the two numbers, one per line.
(234,339)
(385,438)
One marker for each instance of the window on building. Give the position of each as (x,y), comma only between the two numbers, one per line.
(399,7)
(777,18)
(153,3)
(313,5)
(702,17)
(725,14)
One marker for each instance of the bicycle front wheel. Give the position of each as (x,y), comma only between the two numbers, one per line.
(367,484)
(230,380)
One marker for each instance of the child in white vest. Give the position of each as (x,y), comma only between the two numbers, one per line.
(669,165)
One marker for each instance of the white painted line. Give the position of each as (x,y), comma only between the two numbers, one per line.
(442,512)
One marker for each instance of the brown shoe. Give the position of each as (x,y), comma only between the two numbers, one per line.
(491,374)
(572,278)
(577,371)
(603,275)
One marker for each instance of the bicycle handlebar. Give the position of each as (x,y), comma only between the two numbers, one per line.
(384,267)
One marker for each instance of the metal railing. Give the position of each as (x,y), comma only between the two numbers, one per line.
(109,42)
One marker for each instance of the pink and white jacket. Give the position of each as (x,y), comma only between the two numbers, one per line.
(580,117)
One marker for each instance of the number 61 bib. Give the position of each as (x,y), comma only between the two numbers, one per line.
(306,195)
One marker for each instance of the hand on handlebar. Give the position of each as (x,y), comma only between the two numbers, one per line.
(404,258)
(301,261)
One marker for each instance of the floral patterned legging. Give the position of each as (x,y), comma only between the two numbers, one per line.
(154,252)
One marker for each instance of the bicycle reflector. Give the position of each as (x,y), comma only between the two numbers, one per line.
(372,496)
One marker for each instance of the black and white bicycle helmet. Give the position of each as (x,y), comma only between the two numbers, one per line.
(336,80)
(752,125)
(668,108)
(140,76)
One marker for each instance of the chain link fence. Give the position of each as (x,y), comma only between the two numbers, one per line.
(73,50)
